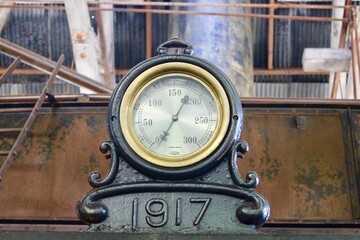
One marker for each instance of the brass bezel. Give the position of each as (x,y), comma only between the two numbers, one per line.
(167,69)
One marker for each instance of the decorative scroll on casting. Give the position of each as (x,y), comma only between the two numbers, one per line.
(253,210)
(95,177)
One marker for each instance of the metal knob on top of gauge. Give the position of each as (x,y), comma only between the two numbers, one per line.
(174,116)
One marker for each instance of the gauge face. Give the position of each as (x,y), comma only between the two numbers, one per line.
(175,116)
(175,119)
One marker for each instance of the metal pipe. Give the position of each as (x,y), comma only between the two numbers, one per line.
(225,42)
(353,62)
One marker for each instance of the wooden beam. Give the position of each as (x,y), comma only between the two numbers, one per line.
(326,60)
(9,70)
(105,20)
(357,43)
(46,65)
(83,40)
(335,33)
(4,13)
(342,41)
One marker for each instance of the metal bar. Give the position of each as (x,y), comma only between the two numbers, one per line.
(257,71)
(9,70)
(148,33)
(10,130)
(271,37)
(33,98)
(246,102)
(335,87)
(355,26)
(158,11)
(13,152)
(12,110)
(44,64)
(342,42)
(352,162)
(24,71)
(4,153)
(285,71)
(352,35)
(188,4)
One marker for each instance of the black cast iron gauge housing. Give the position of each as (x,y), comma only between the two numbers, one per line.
(175,122)
(174,116)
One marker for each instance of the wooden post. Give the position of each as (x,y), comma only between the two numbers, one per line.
(83,40)
(105,20)
(342,41)
(4,14)
(356,42)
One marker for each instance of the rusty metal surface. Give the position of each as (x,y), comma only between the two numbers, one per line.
(355,137)
(302,167)
(304,158)
(13,151)
(50,173)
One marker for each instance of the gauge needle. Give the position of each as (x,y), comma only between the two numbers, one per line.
(174,118)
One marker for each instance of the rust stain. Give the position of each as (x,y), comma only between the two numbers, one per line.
(54,162)
(319,183)
(302,172)
(80,37)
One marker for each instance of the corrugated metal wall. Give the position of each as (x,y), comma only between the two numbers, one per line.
(46,33)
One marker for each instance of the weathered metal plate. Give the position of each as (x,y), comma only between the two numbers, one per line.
(301,163)
(50,173)
(306,169)
(354,176)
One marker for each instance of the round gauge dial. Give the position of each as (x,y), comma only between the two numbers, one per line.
(174,118)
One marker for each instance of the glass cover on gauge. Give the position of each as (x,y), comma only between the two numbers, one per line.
(175,116)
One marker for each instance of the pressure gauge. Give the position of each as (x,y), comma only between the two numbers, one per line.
(174,116)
